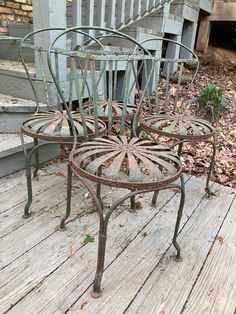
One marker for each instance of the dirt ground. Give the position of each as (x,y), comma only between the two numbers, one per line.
(196,157)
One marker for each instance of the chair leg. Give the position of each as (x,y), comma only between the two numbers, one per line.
(68,198)
(132,202)
(27,212)
(178,257)
(96,293)
(36,156)
(180,148)
(208,189)
(154,198)
(27,156)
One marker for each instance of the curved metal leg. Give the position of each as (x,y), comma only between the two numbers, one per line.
(36,156)
(96,293)
(27,212)
(207,188)
(68,198)
(178,257)
(104,218)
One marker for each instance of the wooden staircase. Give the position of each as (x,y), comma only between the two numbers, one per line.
(141,19)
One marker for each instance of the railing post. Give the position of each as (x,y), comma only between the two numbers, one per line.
(89,15)
(111,14)
(120,13)
(144,6)
(49,13)
(100,16)
(137,9)
(76,21)
(129,11)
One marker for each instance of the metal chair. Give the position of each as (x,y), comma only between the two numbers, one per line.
(171,108)
(52,124)
(139,165)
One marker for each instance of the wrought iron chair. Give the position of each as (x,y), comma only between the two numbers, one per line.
(52,125)
(139,165)
(171,108)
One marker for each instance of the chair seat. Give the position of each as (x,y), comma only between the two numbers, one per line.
(135,163)
(178,126)
(55,126)
(117,109)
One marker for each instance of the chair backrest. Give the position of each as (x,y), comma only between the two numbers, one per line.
(37,43)
(175,69)
(103,70)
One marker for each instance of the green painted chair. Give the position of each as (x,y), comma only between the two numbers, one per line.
(50,124)
(121,160)
(172,108)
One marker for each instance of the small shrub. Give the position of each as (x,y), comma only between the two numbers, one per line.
(212,99)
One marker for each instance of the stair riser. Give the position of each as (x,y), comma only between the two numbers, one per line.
(16,161)
(18,86)
(11,122)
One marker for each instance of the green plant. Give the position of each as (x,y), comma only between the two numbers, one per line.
(212,99)
(89,238)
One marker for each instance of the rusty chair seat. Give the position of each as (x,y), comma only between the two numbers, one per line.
(178,126)
(134,164)
(56,126)
(117,110)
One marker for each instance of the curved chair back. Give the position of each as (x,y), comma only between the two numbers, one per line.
(103,78)
(175,69)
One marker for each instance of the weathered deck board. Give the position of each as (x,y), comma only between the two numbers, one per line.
(215,290)
(131,269)
(59,254)
(119,239)
(196,240)
(48,271)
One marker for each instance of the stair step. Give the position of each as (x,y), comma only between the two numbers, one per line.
(12,156)
(13,110)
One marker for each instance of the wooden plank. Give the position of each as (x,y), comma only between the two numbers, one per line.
(63,296)
(223,12)
(16,179)
(173,280)
(12,144)
(43,202)
(65,287)
(13,199)
(215,289)
(125,277)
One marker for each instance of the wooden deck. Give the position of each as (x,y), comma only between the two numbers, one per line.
(44,270)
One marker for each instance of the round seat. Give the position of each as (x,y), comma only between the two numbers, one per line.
(117,109)
(55,126)
(135,163)
(178,126)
